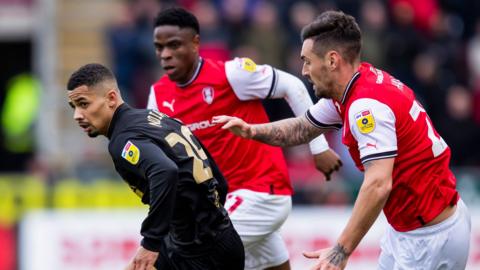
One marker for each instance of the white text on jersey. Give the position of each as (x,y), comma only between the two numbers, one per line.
(200,125)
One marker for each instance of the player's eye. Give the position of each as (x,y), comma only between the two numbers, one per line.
(83,104)
(174,45)
(158,47)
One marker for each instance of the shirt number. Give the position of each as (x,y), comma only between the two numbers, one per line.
(438,144)
(200,174)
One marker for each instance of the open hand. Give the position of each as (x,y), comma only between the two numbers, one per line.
(236,125)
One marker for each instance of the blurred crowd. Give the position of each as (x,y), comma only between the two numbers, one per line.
(433,46)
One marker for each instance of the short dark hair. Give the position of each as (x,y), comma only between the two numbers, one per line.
(177,17)
(89,75)
(335,30)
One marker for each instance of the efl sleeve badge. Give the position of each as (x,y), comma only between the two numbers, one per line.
(249,65)
(365,121)
(131,153)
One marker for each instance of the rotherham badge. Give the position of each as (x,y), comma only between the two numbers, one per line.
(208,95)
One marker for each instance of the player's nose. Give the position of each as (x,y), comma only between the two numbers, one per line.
(305,72)
(77,115)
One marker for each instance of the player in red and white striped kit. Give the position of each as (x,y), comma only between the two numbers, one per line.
(391,138)
(194,90)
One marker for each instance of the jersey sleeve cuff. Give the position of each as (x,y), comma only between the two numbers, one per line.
(376,156)
(318,145)
(319,124)
(151,244)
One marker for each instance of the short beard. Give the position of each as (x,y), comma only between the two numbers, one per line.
(93,134)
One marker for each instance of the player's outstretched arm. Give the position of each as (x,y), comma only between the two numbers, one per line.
(373,195)
(287,132)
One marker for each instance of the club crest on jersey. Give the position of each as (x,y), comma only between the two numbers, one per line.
(365,121)
(131,153)
(208,94)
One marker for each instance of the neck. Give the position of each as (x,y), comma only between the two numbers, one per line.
(344,77)
(191,72)
(106,132)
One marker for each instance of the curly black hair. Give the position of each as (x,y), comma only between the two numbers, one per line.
(334,30)
(177,17)
(89,75)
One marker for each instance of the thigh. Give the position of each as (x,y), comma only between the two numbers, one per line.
(454,253)
(228,252)
(444,246)
(256,215)
(270,252)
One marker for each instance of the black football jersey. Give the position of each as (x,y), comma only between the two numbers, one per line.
(168,168)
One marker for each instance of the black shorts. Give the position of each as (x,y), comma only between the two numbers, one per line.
(227,254)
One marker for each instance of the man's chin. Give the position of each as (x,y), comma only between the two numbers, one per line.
(93,134)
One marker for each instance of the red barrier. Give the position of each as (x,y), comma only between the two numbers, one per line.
(7,248)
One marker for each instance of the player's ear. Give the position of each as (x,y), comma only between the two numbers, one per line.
(332,59)
(112,96)
(196,41)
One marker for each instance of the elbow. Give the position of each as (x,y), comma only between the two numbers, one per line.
(381,188)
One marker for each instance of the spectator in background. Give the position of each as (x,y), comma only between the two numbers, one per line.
(473,60)
(427,84)
(129,39)
(458,128)
(423,12)
(374,23)
(300,14)
(214,35)
(403,42)
(266,34)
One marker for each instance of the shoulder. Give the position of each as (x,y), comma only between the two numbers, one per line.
(213,65)
(163,82)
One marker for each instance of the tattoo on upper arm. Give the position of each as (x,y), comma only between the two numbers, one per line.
(337,255)
(367,165)
(288,132)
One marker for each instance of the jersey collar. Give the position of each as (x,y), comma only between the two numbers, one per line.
(195,74)
(116,115)
(350,86)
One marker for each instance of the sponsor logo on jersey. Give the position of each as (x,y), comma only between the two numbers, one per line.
(200,125)
(168,104)
(131,153)
(365,121)
(249,65)
(374,145)
(208,94)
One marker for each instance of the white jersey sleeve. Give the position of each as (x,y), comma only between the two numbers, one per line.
(152,101)
(251,81)
(324,115)
(372,124)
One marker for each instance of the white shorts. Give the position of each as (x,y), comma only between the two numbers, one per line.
(257,217)
(443,246)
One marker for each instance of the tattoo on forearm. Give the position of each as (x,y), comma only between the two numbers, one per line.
(288,132)
(337,255)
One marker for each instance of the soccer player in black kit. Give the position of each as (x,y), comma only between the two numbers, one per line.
(167,167)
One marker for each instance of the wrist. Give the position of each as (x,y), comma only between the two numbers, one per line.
(253,132)
(151,244)
(340,248)
(318,145)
